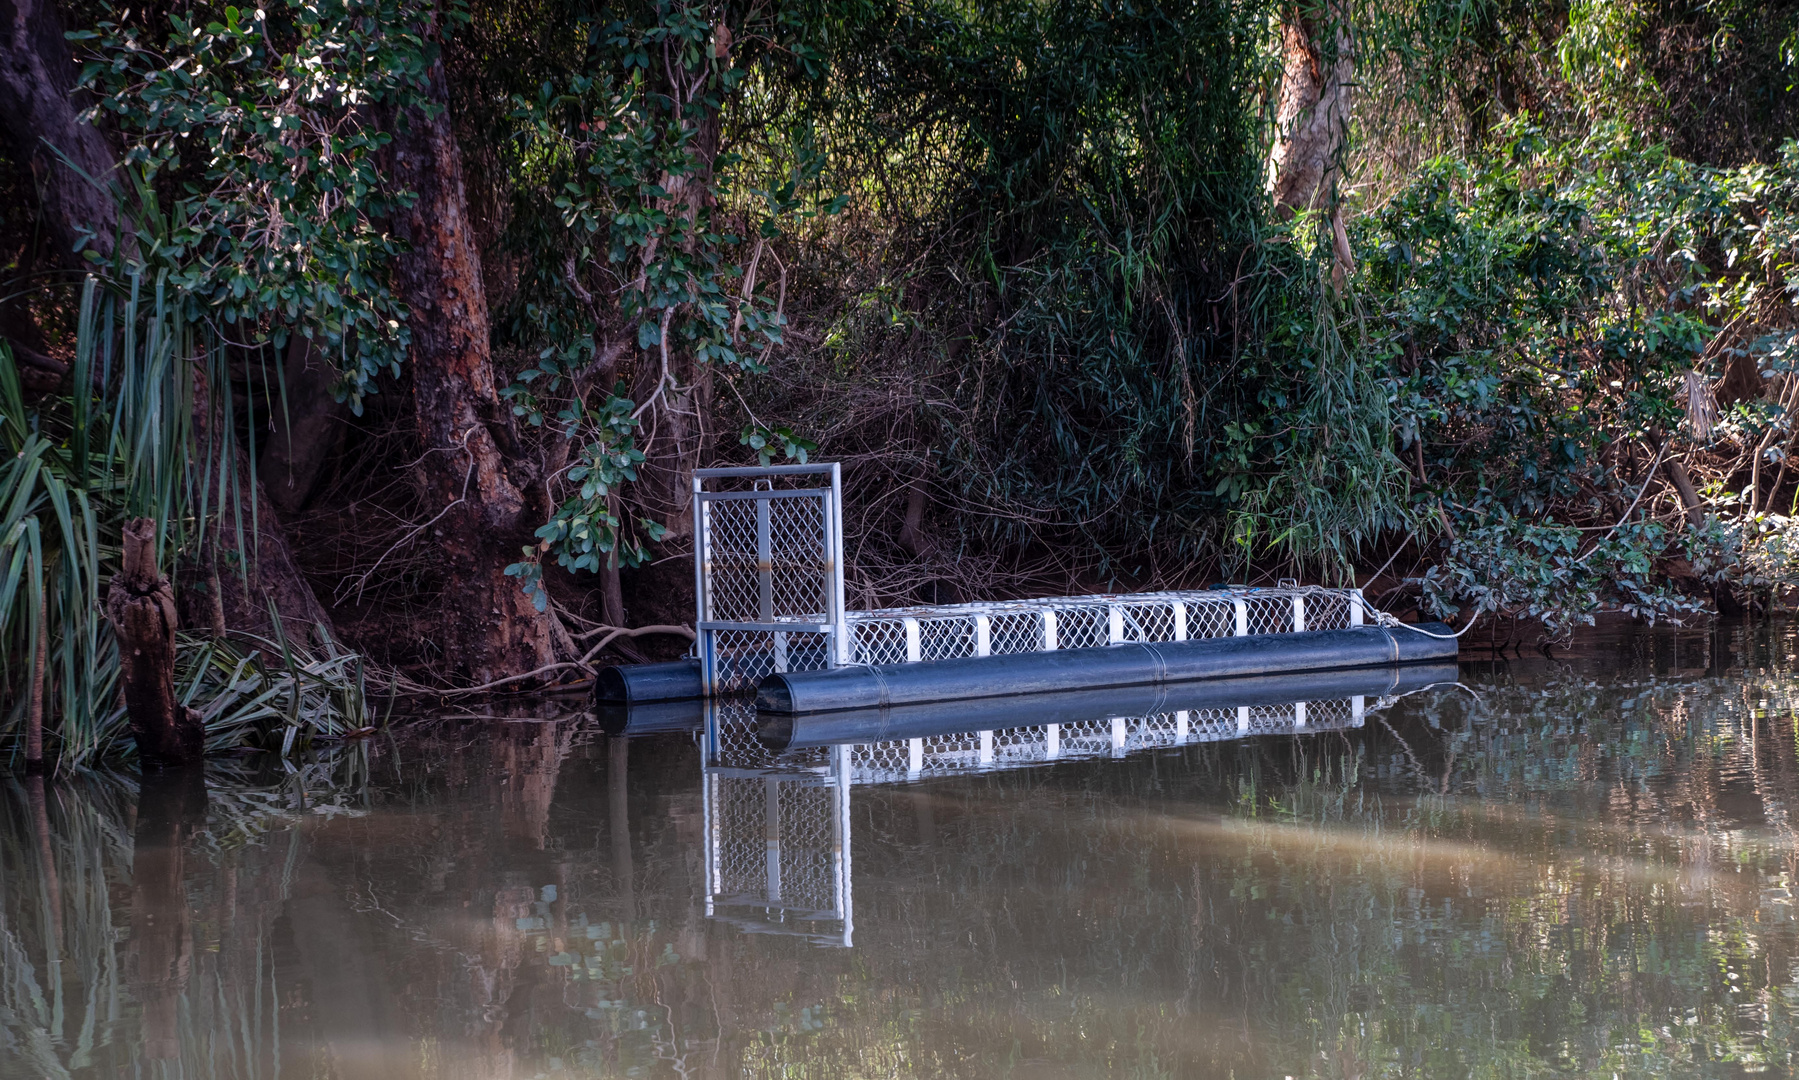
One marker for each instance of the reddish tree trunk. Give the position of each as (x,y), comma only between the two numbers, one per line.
(141,607)
(486,626)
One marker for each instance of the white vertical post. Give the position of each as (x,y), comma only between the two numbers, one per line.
(1358,709)
(1052,740)
(1242,719)
(709,826)
(1242,617)
(985,754)
(1180,621)
(1117,735)
(765,563)
(983,636)
(834,578)
(772,838)
(702,551)
(1355,607)
(841,837)
(1299,714)
(1049,631)
(1299,614)
(1180,726)
(914,646)
(914,756)
(780,650)
(1115,624)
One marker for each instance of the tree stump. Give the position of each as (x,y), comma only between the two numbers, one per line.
(141,607)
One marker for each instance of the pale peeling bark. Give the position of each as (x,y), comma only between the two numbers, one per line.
(1312,115)
(487,627)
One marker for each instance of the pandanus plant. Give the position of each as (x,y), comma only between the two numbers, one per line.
(121,442)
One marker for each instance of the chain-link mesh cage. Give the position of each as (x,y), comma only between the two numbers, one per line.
(768,572)
(769,580)
(907,635)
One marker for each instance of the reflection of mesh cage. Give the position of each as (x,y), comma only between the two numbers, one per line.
(902,635)
(776,841)
(974,751)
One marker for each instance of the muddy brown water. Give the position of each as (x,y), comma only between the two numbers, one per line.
(1581,867)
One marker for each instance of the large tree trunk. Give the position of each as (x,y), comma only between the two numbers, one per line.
(236,582)
(306,430)
(37,75)
(486,625)
(1312,115)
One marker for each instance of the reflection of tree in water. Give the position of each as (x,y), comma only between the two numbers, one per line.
(1586,877)
(138,923)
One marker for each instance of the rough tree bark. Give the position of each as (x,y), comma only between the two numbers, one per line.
(233,584)
(486,626)
(305,433)
(37,76)
(141,606)
(1312,115)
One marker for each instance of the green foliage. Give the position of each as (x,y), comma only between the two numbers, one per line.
(121,445)
(623,192)
(252,149)
(1548,572)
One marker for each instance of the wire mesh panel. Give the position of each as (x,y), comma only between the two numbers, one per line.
(768,565)
(908,635)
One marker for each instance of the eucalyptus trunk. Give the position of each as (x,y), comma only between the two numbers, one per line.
(486,626)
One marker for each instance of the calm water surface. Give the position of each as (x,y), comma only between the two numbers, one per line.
(1581,868)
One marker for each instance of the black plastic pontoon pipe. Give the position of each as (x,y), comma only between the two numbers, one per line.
(786,731)
(650,717)
(632,684)
(1131,664)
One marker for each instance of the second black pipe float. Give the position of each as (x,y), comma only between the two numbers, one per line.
(1129,664)
(786,731)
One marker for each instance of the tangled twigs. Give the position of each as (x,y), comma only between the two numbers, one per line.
(585,663)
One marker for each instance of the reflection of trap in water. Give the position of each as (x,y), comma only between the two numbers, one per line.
(777,848)
(777,823)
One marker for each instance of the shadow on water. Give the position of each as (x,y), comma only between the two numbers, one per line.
(1581,866)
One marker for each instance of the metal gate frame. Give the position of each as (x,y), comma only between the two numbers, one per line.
(830,623)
